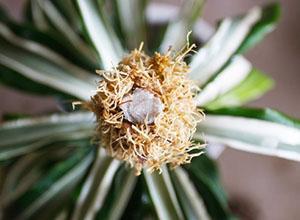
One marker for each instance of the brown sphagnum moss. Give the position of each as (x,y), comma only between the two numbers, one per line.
(145,111)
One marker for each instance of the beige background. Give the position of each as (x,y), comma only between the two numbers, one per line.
(260,187)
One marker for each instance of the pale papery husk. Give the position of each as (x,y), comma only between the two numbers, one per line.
(168,139)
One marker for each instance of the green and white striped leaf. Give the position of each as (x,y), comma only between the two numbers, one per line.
(44,71)
(34,14)
(68,10)
(51,38)
(132,21)
(45,52)
(265,114)
(177,30)
(219,49)
(26,135)
(96,186)
(40,201)
(107,46)
(204,174)
(267,23)
(27,170)
(119,195)
(253,135)
(236,71)
(63,28)
(140,205)
(254,85)
(163,195)
(190,200)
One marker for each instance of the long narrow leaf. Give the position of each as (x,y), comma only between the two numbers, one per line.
(99,35)
(253,135)
(96,187)
(163,195)
(132,20)
(189,198)
(57,184)
(229,78)
(26,171)
(35,15)
(267,23)
(44,52)
(63,27)
(254,86)
(140,205)
(228,38)
(205,177)
(177,30)
(43,71)
(68,10)
(51,39)
(26,135)
(265,114)
(119,195)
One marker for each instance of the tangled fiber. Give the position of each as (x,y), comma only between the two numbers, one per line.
(145,110)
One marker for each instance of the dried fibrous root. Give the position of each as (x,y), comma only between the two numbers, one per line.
(158,130)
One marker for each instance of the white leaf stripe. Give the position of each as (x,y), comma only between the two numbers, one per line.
(253,86)
(163,195)
(122,199)
(96,186)
(188,14)
(193,202)
(102,190)
(57,137)
(46,53)
(256,127)
(252,135)
(52,119)
(63,27)
(72,177)
(131,14)
(222,46)
(44,72)
(293,154)
(37,15)
(231,76)
(27,130)
(99,34)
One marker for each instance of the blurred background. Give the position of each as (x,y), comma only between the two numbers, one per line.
(259,187)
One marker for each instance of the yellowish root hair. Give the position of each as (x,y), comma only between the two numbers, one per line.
(168,139)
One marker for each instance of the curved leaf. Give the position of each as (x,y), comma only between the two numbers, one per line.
(47,17)
(163,195)
(225,42)
(64,29)
(140,205)
(228,40)
(40,69)
(95,187)
(55,185)
(254,86)
(177,30)
(203,172)
(253,134)
(25,135)
(132,21)
(269,19)
(265,114)
(106,45)
(190,200)
(236,71)
(119,195)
